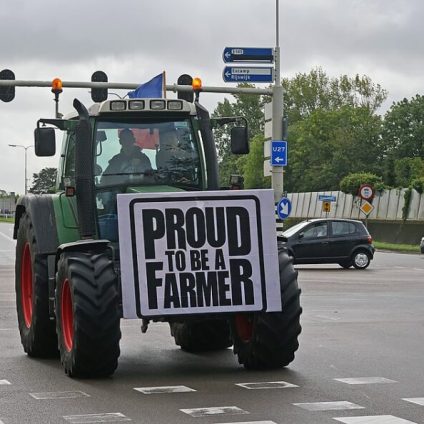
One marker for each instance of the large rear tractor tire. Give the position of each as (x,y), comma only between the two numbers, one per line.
(267,340)
(37,330)
(202,336)
(88,315)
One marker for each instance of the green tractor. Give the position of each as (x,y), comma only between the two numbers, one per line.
(139,228)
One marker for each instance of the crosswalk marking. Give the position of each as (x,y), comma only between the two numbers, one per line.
(4,382)
(365,380)
(374,419)
(216,410)
(418,401)
(111,417)
(267,385)
(329,406)
(164,389)
(59,395)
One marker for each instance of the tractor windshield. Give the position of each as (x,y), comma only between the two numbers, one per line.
(135,153)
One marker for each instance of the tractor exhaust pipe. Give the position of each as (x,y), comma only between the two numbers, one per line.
(84,181)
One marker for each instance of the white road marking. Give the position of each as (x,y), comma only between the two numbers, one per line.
(267,385)
(418,401)
(249,422)
(4,382)
(215,410)
(59,395)
(164,389)
(111,417)
(329,406)
(7,329)
(365,380)
(7,237)
(374,419)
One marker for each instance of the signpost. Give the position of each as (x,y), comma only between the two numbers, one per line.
(284,208)
(248,74)
(326,206)
(327,198)
(278,153)
(248,54)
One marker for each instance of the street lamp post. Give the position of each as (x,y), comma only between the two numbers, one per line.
(26,150)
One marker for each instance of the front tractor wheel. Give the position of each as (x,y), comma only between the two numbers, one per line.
(87,309)
(38,333)
(266,340)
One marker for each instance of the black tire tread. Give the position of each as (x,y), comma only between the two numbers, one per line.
(96,314)
(40,340)
(275,334)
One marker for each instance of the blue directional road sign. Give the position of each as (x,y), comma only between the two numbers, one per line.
(278,153)
(284,208)
(248,54)
(248,74)
(326,198)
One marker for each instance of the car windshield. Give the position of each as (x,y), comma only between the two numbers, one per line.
(295,229)
(147,152)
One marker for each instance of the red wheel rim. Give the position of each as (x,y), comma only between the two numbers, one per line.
(26,285)
(244,327)
(67,318)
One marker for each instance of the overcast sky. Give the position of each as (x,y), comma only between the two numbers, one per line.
(134,40)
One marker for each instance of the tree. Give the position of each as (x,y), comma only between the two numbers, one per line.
(44,181)
(408,169)
(352,182)
(333,130)
(248,106)
(328,145)
(254,174)
(403,128)
(306,93)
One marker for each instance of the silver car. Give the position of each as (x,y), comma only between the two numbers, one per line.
(422,245)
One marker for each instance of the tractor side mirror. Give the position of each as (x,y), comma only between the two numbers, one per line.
(239,141)
(45,141)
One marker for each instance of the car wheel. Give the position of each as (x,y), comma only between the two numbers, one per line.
(346,264)
(361,259)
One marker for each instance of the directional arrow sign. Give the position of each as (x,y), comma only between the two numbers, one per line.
(284,208)
(248,74)
(248,54)
(279,153)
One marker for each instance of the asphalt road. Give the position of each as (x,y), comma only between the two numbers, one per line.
(364,326)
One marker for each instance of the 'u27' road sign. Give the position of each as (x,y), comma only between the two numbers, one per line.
(248,54)
(248,74)
(279,153)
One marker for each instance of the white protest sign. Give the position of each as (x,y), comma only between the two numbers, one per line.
(198,252)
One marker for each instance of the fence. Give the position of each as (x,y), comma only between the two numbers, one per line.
(388,206)
(386,221)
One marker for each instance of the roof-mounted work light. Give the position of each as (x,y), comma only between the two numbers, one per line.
(56,90)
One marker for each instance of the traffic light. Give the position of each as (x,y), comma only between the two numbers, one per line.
(99,94)
(7,93)
(185,79)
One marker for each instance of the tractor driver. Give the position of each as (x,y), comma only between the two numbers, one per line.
(130,160)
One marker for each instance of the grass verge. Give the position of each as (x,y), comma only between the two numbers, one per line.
(3,219)
(408,248)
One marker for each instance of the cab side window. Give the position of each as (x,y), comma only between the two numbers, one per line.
(69,169)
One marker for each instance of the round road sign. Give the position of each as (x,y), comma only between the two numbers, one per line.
(366,191)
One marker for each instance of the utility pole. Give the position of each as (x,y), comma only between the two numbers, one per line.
(277,110)
(26,162)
